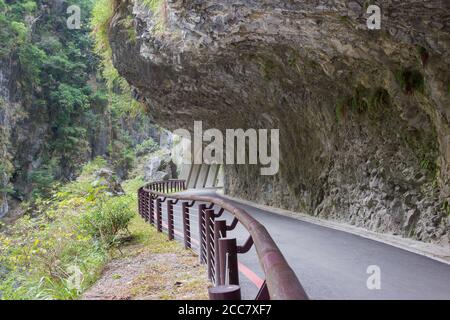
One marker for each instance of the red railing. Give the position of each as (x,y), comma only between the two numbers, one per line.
(215,249)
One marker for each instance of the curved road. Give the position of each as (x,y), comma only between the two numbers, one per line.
(333,264)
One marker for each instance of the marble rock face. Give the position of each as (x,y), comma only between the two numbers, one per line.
(364,115)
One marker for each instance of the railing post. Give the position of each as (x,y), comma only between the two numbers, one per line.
(140,202)
(170,219)
(202,232)
(186,225)
(228,261)
(220,231)
(158,215)
(145,211)
(209,234)
(232,292)
(152,210)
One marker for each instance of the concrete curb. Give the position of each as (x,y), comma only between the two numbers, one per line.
(429,250)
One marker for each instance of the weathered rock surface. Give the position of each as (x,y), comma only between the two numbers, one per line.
(363,115)
(159,167)
(106,179)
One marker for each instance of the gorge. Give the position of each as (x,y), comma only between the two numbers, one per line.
(363,114)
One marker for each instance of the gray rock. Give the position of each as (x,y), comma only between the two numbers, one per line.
(105,178)
(268,64)
(160,168)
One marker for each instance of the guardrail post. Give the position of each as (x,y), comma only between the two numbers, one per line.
(228,261)
(186,225)
(158,215)
(152,210)
(170,219)
(209,223)
(202,232)
(145,211)
(220,231)
(140,202)
(225,293)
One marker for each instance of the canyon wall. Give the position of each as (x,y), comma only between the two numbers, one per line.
(364,115)
(55,110)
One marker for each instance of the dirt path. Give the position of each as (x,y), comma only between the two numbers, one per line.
(143,275)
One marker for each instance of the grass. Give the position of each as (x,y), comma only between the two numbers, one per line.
(410,81)
(163,281)
(362,101)
(157,7)
(446,207)
(48,254)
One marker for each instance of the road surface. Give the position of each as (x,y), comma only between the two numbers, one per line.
(333,264)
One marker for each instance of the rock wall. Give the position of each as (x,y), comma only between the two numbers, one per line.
(363,115)
(10,114)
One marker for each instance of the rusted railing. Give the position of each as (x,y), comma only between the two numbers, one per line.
(215,249)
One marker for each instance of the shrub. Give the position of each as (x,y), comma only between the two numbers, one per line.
(410,81)
(108,220)
(148,146)
(358,101)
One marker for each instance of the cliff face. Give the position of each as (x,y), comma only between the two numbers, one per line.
(25,134)
(363,115)
(55,110)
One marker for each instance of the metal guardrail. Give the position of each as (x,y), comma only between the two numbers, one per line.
(218,252)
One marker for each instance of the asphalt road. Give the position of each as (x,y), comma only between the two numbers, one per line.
(333,264)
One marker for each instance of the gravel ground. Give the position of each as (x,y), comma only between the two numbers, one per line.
(142,275)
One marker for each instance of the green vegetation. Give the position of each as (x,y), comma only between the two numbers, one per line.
(423,55)
(446,207)
(102,13)
(154,5)
(367,3)
(60,85)
(363,101)
(157,7)
(359,100)
(77,229)
(146,147)
(410,81)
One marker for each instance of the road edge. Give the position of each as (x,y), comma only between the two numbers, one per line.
(429,250)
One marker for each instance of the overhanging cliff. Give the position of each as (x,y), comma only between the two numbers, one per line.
(364,116)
